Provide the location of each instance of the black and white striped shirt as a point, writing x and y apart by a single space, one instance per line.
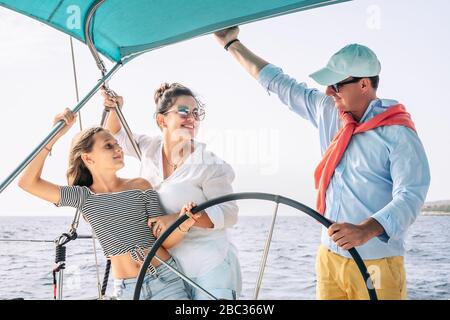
119 219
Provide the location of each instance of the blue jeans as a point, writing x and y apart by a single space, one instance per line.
223 282
163 285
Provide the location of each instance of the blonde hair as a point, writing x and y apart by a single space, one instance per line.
77 173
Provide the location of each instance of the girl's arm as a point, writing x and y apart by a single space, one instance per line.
178 235
30 180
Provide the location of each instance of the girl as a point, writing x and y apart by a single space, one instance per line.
117 209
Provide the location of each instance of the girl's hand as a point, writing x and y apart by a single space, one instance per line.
186 225
160 224
68 117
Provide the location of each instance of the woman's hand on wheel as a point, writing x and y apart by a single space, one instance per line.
193 218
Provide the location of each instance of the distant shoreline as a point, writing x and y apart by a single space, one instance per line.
435 213
436 208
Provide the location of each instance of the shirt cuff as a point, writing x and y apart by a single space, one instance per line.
267 74
383 219
215 214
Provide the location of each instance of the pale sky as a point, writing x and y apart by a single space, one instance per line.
271 149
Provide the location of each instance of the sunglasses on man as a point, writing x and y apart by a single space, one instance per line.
336 87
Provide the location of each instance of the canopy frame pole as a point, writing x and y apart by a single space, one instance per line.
88 37
102 68
75 80
263 263
57 128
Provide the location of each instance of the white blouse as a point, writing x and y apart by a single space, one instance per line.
201 177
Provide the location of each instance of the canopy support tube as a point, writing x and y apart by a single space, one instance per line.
102 68
125 125
87 35
263 263
56 129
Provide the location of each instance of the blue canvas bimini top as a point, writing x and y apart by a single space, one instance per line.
124 29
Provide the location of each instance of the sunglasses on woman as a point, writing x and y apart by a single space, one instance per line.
184 112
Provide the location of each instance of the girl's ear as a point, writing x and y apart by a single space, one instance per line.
87 159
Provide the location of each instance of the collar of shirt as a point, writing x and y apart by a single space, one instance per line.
157 160
375 107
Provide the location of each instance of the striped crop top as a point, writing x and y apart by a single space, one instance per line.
119 219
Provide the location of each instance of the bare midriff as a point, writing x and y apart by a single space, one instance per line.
125 267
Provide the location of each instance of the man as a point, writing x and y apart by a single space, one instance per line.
374 175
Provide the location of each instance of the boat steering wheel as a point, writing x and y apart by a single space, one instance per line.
257 196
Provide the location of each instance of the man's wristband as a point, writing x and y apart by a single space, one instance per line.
230 43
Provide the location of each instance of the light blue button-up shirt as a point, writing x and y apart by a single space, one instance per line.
383 174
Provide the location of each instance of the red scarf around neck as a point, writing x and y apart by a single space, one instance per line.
395 115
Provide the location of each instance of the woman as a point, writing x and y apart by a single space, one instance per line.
180 168
118 210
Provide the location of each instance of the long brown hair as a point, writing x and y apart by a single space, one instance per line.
78 174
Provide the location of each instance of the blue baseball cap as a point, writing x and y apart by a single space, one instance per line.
354 60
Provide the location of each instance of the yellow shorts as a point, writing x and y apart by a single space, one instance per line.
338 278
